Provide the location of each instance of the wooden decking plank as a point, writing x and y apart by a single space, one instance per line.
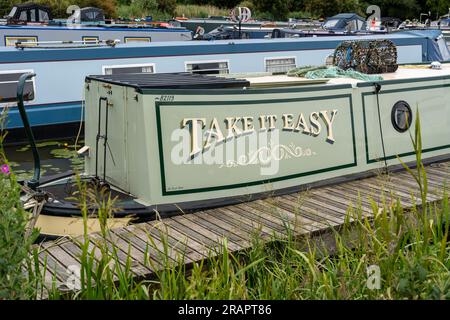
303 221
317 203
406 187
273 213
380 196
118 255
211 224
443 173
53 266
227 226
240 222
142 246
190 248
343 198
379 193
162 241
207 242
258 216
342 206
213 234
61 255
144 258
405 199
253 220
320 218
261 217
314 209
369 192
435 179
357 199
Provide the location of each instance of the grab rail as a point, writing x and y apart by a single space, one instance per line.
33 183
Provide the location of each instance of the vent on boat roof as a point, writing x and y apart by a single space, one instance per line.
171 81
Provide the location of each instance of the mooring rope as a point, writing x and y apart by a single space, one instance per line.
377 90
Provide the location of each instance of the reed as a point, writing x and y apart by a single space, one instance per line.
199 11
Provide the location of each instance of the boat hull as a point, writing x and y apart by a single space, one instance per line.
178 146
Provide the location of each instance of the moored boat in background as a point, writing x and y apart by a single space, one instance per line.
55 97
33 23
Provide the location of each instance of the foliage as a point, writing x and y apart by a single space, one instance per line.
15 248
275 9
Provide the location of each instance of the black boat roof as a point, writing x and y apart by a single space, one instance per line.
184 80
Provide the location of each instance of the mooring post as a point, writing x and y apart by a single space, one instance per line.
33 183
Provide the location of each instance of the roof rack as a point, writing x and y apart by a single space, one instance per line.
65 44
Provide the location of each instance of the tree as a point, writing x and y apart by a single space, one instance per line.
403 9
438 7
167 6
278 9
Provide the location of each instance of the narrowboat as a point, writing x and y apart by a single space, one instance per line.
213 22
338 25
170 143
33 23
55 99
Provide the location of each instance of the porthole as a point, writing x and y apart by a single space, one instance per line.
401 116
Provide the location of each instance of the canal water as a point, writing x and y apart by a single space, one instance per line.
56 157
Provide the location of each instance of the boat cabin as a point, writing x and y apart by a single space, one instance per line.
345 22
91 14
29 12
196 141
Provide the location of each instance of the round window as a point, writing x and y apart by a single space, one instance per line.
401 116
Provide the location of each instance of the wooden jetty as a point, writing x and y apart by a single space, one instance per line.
196 236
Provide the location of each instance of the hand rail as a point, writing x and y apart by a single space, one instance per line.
34 182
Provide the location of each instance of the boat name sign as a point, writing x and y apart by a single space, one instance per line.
238 126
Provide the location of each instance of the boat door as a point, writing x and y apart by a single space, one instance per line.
390 111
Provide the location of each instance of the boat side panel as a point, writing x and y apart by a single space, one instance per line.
260 161
430 98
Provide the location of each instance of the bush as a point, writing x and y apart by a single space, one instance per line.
278 9
167 6
14 246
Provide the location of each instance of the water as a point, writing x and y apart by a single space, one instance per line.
56 157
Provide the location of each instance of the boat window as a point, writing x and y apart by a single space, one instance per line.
33 16
90 39
144 68
360 24
11 41
8 87
43 16
23 16
351 25
137 39
219 67
331 23
12 12
280 65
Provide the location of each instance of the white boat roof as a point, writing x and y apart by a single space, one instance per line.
403 72
175 44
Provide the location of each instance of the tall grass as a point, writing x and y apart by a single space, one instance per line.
410 248
182 10
15 246
197 11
